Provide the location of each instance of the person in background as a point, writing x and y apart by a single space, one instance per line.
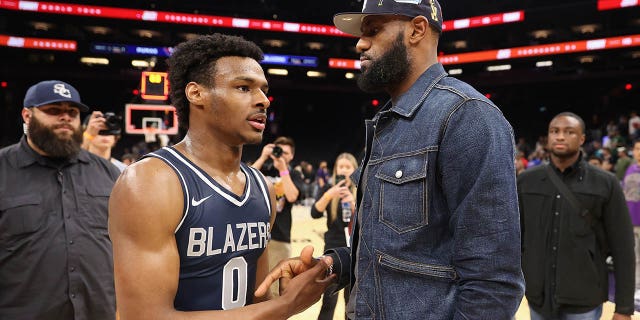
623 162
338 201
55 252
595 161
190 223
322 175
436 232
275 162
568 234
100 144
631 189
129 158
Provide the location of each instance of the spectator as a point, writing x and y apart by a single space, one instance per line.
338 200
573 215
129 158
523 146
99 142
631 188
275 161
595 161
622 163
56 254
322 175
634 125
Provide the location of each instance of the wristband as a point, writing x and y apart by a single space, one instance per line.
284 173
88 136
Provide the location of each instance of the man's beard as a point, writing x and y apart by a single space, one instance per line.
391 68
564 154
47 140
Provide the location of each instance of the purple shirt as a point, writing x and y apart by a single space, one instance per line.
631 188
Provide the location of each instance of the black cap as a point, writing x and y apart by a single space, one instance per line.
51 91
349 22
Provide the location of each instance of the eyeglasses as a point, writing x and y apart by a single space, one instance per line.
54 111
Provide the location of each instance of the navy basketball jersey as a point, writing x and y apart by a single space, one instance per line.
220 238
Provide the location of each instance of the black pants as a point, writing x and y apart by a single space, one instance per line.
329 302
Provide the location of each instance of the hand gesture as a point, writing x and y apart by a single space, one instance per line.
337 190
288 269
267 150
95 124
279 163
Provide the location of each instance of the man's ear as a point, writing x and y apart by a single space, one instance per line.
26 115
193 92
420 29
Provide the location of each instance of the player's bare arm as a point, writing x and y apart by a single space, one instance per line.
144 210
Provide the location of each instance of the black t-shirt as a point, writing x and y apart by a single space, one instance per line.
281 229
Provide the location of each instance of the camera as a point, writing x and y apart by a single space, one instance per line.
339 177
112 121
277 151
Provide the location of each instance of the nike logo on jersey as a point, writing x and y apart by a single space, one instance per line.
195 203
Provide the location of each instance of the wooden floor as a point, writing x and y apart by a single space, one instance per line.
306 230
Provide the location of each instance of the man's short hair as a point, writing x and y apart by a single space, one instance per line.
287 141
195 60
572 115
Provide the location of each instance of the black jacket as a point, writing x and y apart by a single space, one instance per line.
562 259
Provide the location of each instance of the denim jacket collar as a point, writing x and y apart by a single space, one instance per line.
410 101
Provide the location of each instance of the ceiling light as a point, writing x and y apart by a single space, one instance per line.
140 63
455 71
315 45
500 67
460 44
278 72
349 75
587 59
586 28
275 43
316 74
42 26
98 30
541 64
541 34
94 60
189 36
147 33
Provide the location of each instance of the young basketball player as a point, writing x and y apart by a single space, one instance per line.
190 223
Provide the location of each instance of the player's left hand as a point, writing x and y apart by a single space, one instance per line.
288 269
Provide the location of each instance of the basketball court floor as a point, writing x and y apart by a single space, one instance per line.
308 231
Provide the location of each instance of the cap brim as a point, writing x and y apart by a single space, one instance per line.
81 106
349 22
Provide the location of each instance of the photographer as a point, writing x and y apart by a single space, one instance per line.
274 162
338 200
102 132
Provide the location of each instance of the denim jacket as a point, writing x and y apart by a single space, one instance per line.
437 234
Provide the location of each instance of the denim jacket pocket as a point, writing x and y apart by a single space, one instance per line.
415 268
399 281
403 192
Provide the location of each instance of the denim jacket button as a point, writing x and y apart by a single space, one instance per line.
399 174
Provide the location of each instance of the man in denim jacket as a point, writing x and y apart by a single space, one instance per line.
437 234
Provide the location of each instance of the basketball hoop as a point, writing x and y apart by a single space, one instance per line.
150 134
